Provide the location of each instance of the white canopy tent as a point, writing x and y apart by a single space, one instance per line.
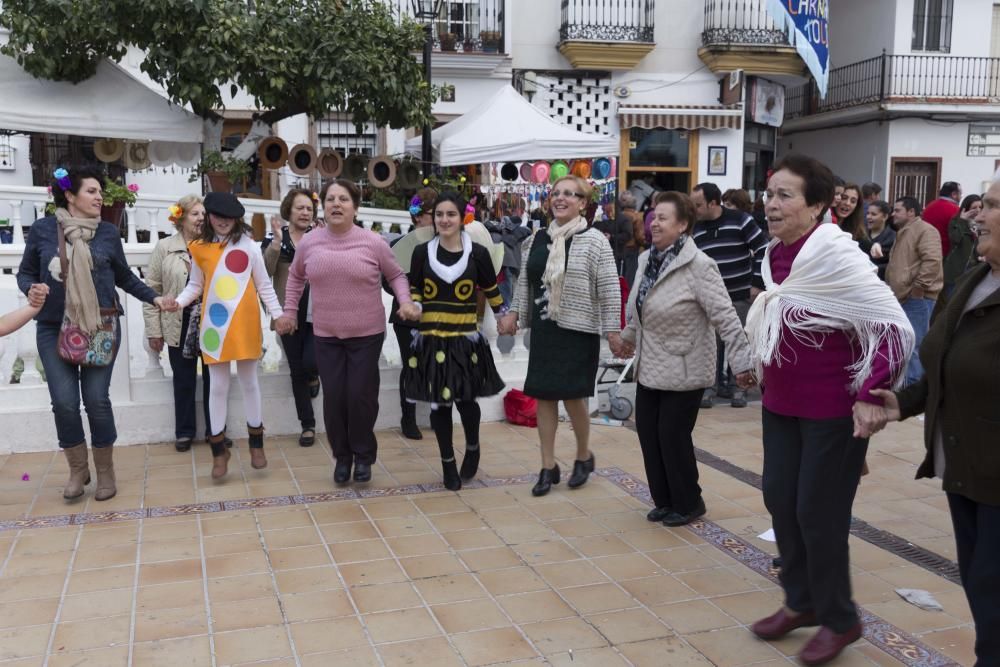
111 104
508 128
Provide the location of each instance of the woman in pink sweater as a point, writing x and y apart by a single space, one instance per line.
344 265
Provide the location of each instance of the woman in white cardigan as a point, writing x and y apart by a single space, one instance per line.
568 294
678 299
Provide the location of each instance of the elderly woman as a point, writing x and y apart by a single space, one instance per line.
823 335
344 265
167 273
568 296
961 352
679 300
299 209
81 260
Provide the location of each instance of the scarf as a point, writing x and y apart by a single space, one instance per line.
555 265
831 286
82 307
657 262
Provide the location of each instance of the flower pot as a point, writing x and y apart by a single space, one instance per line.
114 213
448 41
219 182
491 46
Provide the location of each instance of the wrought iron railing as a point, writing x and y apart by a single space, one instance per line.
465 26
614 20
901 78
746 22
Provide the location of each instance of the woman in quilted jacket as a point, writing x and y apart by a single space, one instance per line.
671 315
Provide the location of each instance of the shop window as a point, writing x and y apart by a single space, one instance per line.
659 148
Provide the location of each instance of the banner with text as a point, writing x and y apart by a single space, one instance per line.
807 22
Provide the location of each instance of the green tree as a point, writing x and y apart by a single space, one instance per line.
291 56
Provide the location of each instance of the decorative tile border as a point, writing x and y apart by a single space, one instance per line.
880 633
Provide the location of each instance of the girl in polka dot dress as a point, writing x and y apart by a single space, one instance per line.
449 359
228 273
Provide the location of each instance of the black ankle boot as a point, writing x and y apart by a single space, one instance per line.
452 481
581 471
546 478
408 422
470 463
342 471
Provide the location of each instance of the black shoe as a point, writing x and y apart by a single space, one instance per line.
708 399
581 471
675 519
307 440
228 443
470 463
658 514
314 388
410 429
342 472
739 399
362 472
724 392
776 563
452 481
546 478
183 444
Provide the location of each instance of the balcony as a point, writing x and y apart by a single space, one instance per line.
465 26
903 82
740 34
606 34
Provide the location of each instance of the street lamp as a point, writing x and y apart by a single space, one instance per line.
426 12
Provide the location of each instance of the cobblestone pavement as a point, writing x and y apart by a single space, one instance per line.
277 567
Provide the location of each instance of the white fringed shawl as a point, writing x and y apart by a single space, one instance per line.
831 286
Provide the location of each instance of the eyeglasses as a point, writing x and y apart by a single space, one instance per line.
566 193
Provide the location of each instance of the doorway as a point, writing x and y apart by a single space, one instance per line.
917 177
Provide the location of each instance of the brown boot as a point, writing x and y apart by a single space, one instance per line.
257 458
220 455
105 467
79 471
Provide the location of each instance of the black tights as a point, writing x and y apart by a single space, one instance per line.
443 428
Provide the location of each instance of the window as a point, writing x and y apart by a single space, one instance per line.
342 136
461 18
932 25
658 148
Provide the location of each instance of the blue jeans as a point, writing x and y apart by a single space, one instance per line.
918 311
67 382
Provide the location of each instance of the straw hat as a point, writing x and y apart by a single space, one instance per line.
355 167
330 163
525 171
408 175
540 172
559 169
302 159
137 156
581 168
161 153
109 150
602 168
508 171
382 171
273 153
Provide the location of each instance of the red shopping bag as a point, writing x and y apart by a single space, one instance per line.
520 408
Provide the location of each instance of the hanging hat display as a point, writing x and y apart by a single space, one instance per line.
508 171
187 153
602 168
137 156
109 150
408 175
273 153
382 171
581 168
540 172
525 171
161 153
355 167
302 159
330 163
559 169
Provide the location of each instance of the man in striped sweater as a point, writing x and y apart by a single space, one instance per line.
737 244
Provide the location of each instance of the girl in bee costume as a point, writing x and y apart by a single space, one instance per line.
449 361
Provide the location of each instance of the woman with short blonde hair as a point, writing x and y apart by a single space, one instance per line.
568 295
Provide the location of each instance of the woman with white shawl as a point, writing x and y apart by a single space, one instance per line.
824 334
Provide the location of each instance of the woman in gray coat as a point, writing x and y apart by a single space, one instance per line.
679 299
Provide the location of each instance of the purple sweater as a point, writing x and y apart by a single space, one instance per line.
814 383
344 272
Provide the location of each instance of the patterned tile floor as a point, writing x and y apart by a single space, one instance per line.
276 567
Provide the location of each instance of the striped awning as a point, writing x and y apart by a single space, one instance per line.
686 117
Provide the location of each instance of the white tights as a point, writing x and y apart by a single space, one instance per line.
246 372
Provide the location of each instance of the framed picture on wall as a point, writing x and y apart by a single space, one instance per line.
717 160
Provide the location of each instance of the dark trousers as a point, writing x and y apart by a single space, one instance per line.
404 335
300 351
812 468
185 382
977 535
348 369
723 372
664 421
68 383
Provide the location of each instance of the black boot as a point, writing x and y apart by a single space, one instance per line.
581 471
342 471
470 463
546 478
452 481
408 422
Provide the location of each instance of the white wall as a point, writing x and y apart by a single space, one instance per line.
860 29
912 137
856 154
21 173
970 28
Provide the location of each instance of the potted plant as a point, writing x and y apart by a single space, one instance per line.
116 197
491 40
448 40
223 172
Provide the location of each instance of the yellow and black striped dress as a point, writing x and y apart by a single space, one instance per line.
448 359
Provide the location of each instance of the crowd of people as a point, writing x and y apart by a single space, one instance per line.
847 311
